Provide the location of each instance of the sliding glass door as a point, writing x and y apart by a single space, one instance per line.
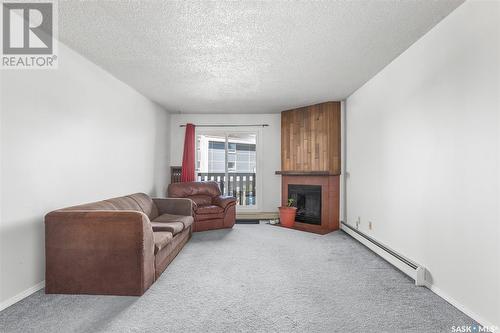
229 158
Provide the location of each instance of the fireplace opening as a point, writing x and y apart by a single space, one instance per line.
308 202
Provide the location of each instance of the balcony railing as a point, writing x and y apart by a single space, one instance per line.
239 185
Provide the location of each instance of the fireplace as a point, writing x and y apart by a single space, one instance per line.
318 193
310 165
308 202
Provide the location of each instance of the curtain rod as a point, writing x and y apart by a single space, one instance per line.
253 125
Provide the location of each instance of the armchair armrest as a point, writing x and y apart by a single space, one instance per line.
224 201
174 206
98 252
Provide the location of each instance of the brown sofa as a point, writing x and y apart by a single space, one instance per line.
118 246
211 210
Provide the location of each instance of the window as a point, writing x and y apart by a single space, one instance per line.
231 147
230 159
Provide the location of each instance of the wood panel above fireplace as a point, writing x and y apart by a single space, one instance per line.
310 139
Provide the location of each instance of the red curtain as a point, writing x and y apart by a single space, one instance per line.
188 161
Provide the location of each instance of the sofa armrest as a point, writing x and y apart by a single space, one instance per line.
174 206
224 201
98 252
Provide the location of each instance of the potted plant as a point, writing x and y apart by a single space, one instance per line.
287 213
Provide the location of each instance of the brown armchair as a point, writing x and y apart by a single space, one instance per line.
211 210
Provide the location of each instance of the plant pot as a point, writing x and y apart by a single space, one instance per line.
287 216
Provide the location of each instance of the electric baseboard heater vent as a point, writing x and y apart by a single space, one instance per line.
407 266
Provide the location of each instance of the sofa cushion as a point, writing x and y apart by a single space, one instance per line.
161 239
138 202
204 217
99 205
147 205
185 220
173 227
201 200
209 209
124 203
189 189
224 201
208 225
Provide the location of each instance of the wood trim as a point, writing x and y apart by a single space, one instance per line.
315 229
305 173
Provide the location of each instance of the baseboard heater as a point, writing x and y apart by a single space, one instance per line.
407 266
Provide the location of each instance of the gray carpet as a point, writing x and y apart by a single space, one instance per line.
254 278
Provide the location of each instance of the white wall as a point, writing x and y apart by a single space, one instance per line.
271 148
423 157
69 136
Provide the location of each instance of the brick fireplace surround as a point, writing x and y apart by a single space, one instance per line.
330 187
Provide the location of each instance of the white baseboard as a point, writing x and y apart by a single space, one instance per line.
257 215
460 307
5 304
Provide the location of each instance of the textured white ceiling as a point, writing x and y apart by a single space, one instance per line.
245 57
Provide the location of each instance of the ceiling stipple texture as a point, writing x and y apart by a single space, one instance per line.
245 57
